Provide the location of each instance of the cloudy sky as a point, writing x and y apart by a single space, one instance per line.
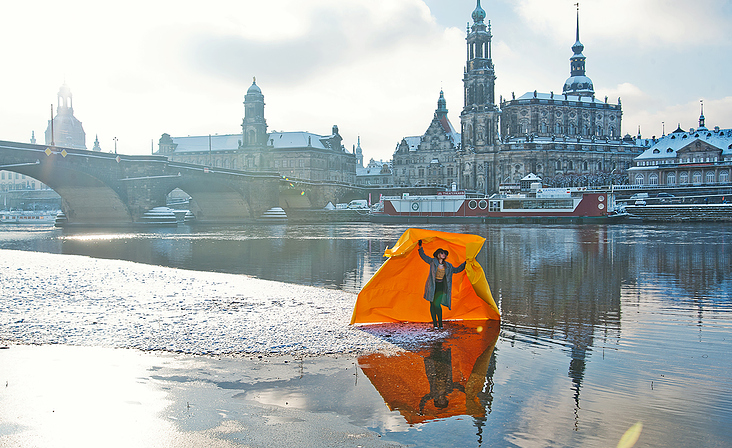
375 68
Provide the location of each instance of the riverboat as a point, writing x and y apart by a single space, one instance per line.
539 205
161 216
27 217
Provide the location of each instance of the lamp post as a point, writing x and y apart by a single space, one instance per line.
115 144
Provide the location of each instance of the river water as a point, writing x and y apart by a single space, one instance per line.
603 326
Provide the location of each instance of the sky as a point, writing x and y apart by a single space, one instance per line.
138 69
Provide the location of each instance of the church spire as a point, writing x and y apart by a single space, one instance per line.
441 105
701 116
578 83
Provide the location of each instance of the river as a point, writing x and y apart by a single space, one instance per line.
602 326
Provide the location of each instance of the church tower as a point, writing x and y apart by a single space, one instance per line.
479 117
67 130
578 83
254 126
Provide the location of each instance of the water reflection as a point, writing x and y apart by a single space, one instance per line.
448 376
592 316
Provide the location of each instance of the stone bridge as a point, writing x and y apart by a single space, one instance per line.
103 189
99 188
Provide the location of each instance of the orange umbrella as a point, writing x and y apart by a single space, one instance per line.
440 381
395 292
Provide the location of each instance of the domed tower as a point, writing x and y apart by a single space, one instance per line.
254 126
578 83
67 130
441 106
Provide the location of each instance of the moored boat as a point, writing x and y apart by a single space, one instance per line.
160 216
539 205
27 217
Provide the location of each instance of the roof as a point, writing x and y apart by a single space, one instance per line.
230 142
413 142
449 130
197 143
667 146
286 140
558 97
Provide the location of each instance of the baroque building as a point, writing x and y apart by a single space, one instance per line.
565 139
65 130
429 159
568 138
298 155
700 157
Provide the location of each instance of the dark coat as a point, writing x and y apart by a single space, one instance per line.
429 286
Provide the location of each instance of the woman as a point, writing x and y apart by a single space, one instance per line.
438 288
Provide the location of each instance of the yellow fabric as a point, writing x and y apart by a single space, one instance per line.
394 293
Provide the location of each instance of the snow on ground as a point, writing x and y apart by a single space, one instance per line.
68 299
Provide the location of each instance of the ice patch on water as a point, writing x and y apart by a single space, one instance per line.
67 299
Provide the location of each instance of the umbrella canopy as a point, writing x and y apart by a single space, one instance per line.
395 293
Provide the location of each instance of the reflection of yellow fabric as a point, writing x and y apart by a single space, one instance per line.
394 293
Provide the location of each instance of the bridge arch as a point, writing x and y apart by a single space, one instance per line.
83 196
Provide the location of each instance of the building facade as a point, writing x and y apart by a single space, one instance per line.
566 139
299 155
376 173
698 157
432 158
570 138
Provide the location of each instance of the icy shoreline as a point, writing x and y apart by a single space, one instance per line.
75 300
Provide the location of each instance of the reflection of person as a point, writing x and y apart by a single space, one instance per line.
438 366
438 288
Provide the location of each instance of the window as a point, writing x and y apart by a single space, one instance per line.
710 177
671 179
421 172
639 179
697 177
684 178
723 177
653 179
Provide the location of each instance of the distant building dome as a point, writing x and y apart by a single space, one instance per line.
254 88
579 85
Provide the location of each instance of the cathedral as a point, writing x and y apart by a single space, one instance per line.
297 155
568 138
